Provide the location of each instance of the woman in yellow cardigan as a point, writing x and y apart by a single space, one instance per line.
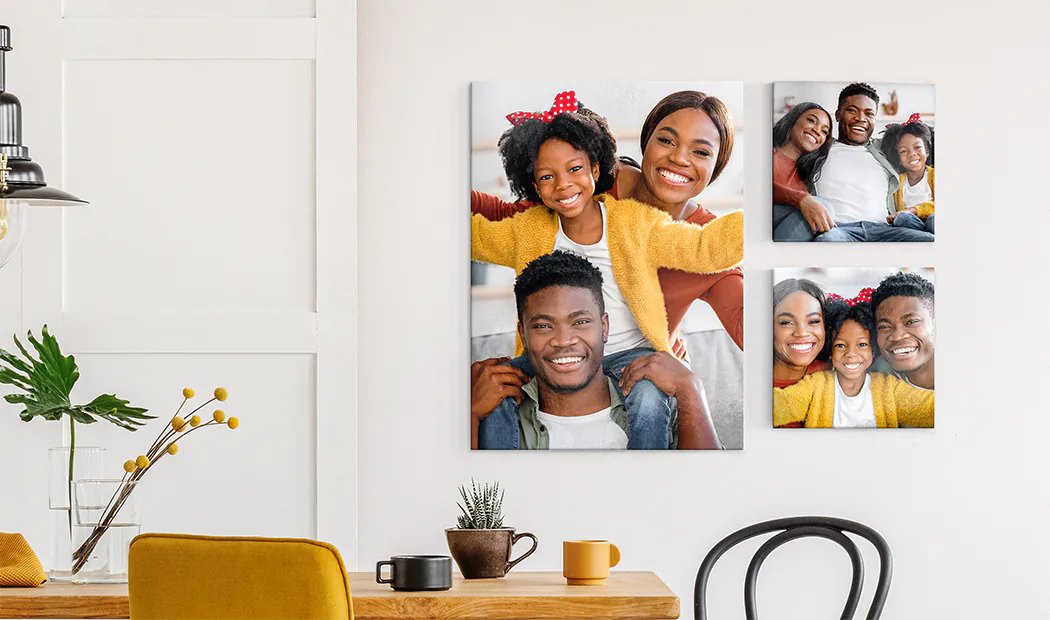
910 144
560 160
849 396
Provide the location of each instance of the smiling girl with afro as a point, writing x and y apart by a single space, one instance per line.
909 146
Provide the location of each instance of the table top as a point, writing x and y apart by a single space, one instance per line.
520 595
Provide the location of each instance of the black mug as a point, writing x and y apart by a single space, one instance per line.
417 572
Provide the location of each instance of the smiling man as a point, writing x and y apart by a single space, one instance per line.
904 326
571 403
856 180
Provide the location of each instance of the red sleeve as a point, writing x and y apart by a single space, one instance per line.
494 209
724 292
788 188
726 298
784 195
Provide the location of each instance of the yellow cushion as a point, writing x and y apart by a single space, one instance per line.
19 566
183 577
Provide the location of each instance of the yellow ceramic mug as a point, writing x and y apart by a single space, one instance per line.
587 562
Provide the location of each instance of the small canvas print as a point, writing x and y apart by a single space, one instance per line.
853 161
853 347
606 290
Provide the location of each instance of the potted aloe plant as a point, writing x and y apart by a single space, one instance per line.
480 544
43 386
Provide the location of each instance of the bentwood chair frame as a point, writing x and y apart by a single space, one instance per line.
830 528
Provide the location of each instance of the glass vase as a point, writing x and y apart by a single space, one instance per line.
105 519
87 463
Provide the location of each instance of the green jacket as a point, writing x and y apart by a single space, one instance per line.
534 435
874 147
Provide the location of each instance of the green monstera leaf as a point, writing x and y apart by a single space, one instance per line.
47 381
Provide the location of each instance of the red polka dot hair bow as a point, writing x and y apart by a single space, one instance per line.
914 118
564 102
863 296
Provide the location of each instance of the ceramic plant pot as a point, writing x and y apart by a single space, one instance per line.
482 554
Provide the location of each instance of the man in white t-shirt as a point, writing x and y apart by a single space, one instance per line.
571 403
856 183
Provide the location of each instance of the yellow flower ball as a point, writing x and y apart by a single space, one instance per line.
187 392
195 421
129 466
142 461
219 416
178 423
221 394
233 422
173 449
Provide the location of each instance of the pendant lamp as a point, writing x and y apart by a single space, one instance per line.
21 180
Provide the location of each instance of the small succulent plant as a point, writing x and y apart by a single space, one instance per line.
482 508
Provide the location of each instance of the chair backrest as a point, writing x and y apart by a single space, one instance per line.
800 527
183 577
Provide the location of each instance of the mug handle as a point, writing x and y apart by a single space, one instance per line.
379 571
516 538
614 555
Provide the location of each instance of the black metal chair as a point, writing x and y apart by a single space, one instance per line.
800 527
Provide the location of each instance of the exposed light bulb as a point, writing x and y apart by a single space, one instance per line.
12 228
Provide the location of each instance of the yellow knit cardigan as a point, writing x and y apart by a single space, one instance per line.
641 240
923 210
897 403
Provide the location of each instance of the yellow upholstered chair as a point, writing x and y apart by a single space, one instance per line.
183 577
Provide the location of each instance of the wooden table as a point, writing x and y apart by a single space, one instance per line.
518 596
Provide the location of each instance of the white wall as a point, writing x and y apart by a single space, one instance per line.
964 507
216 143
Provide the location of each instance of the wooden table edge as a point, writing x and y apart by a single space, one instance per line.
39 603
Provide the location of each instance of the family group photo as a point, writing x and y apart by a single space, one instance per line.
606 287
853 161
853 347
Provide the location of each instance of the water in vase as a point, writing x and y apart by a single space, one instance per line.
61 549
108 561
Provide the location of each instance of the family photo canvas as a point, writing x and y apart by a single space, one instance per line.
606 288
853 347
853 161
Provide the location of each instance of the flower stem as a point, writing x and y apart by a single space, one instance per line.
83 552
157 451
69 482
190 414
170 432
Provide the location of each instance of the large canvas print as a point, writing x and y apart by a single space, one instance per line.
853 161
606 288
853 347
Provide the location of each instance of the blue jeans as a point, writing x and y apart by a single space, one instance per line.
907 219
789 225
872 232
648 410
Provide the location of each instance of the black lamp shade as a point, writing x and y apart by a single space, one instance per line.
21 178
